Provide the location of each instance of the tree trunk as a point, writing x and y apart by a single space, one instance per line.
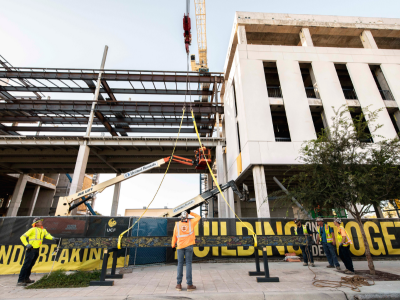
366 245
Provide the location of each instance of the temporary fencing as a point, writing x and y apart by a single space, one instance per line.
383 236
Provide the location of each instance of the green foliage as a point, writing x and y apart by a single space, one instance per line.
341 169
59 279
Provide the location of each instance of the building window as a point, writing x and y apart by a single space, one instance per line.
364 132
272 80
280 124
381 82
345 81
317 114
238 137
234 97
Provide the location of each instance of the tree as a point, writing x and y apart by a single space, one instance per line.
344 169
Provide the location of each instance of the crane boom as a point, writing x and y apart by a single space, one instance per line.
200 9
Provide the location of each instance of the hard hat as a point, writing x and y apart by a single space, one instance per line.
319 219
296 221
337 220
184 215
35 220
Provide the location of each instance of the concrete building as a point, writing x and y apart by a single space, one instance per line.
284 74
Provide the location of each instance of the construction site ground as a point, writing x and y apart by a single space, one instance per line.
216 281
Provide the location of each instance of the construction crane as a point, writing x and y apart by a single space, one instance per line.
202 65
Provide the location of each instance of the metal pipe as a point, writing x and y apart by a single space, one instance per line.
96 94
293 199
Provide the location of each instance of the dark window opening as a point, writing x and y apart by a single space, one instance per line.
318 121
234 98
310 84
238 137
394 120
387 42
365 134
345 81
337 41
381 82
272 80
281 127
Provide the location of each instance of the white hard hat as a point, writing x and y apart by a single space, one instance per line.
184 215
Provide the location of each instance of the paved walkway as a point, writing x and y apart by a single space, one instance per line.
213 281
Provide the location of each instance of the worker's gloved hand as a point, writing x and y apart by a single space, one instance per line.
188 211
57 240
29 247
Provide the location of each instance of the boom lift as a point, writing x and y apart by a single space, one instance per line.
66 204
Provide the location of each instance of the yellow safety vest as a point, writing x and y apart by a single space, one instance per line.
304 230
340 238
328 234
35 236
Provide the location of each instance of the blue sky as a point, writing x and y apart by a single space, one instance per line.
141 35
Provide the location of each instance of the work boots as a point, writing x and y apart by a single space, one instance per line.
191 288
21 284
29 281
178 287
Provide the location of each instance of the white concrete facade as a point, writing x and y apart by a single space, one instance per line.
249 126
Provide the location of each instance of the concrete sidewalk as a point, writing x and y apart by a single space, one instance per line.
213 281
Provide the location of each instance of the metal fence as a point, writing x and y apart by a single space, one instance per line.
312 93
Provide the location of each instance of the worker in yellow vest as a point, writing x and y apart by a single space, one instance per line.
185 239
35 235
300 229
344 242
326 237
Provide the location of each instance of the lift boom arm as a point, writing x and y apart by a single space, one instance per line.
65 204
198 200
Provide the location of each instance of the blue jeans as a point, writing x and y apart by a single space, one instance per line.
330 252
188 253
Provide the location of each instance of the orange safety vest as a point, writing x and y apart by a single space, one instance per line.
184 232
339 237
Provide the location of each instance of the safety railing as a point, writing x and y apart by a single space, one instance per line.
386 95
283 139
350 94
312 93
274 92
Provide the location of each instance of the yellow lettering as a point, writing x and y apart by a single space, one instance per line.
381 247
353 249
75 255
268 231
5 255
259 232
389 237
290 249
196 250
64 256
52 249
224 250
281 249
214 232
239 231
14 254
95 254
44 249
85 255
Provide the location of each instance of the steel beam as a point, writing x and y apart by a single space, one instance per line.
7 130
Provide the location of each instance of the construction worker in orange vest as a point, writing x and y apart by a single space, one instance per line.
326 237
308 258
344 242
184 236
35 235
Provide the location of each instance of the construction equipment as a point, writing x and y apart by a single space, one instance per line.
66 204
202 65
200 199
186 27
201 160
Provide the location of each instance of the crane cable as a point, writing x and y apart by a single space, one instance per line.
216 182
169 162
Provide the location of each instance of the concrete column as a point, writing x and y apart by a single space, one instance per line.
238 205
329 88
117 190
33 200
381 79
79 171
17 195
305 38
369 96
45 198
297 109
222 207
392 77
260 188
368 40
241 32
